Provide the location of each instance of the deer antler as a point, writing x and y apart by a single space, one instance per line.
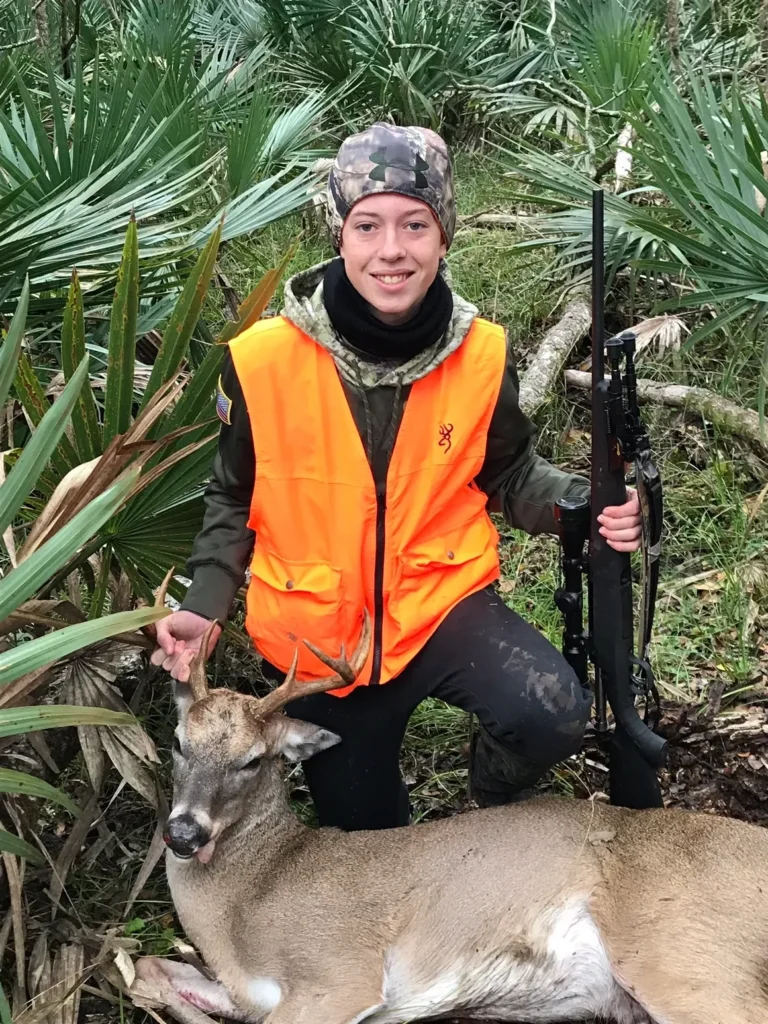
198 679
150 630
345 671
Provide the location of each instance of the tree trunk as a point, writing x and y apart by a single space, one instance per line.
546 365
722 413
40 14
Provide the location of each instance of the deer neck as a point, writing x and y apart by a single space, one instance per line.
268 824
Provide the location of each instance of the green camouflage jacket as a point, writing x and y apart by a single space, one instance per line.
519 483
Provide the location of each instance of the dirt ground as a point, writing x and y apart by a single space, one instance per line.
717 764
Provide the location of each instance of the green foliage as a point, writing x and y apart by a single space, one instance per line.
149 135
26 578
416 63
699 169
149 433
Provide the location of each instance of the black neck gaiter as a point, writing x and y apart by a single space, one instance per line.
360 328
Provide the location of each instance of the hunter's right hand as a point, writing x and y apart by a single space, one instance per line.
178 641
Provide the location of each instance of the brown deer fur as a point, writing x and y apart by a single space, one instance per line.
547 910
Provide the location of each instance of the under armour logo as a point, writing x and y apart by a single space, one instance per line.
400 163
446 429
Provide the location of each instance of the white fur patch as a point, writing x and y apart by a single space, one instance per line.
556 970
265 993
365 1014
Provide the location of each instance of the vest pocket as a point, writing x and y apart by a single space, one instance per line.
450 548
290 601
433 574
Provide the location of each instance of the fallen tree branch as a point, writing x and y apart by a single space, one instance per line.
721 412
544 368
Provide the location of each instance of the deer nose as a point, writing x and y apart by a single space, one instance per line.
184 835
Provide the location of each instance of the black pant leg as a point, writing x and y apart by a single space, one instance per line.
357 784
532 709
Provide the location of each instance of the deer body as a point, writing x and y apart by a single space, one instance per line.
544 911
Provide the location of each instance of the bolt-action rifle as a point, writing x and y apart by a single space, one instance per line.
619 440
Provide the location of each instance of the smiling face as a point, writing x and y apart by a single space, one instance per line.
391 246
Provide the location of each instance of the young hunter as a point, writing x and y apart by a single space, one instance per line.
366 434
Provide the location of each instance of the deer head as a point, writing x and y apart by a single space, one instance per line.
223 739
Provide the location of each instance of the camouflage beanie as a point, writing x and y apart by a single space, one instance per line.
385 158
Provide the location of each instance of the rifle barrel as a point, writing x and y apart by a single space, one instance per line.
598 289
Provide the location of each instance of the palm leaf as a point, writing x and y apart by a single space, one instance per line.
11 347
24 474
36 570
54 646
9 843
183 319
14 721
27 785
122 340
85 424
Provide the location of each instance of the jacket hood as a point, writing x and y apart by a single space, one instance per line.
303 306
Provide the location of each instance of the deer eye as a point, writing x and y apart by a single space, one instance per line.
250 765
176 745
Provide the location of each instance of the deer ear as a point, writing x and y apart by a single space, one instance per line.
182 694
295 739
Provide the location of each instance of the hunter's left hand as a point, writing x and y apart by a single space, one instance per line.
622 525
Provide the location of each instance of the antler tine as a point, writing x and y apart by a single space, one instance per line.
288 690
150 629
198 678
347 670
344 671
162 590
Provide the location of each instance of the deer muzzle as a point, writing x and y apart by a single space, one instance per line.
185 835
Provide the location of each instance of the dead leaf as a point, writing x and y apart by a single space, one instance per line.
40 746
16 693
666 331
155 851
711 585
70 850
93 754
68 976
88 679
124 964
574 436
39 969
15 875
753 504
129 766
8 539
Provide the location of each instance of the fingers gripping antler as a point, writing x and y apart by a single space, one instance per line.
345 672
198 678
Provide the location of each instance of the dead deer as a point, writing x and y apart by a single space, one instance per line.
548 910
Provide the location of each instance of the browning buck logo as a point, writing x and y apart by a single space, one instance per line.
446 429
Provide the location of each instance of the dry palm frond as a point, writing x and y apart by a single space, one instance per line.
88 680
664 332
54 986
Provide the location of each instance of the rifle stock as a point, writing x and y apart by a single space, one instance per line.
635 750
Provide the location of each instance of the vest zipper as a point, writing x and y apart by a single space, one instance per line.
378 581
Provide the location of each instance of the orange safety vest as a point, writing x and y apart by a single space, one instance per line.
327 545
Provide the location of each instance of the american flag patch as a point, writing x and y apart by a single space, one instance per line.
223 404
